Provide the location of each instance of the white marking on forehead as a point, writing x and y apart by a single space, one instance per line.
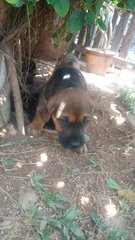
67 76
60 109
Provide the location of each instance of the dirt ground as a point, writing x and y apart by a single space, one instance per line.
81 177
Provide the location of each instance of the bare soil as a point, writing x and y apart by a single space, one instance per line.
81 177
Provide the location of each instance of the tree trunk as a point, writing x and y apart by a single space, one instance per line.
128 39
97 39
119 32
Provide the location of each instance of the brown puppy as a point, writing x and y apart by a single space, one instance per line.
66 101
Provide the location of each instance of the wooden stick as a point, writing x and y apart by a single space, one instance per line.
14 86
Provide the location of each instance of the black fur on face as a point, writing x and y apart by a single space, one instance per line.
73 136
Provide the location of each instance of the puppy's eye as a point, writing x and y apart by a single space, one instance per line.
86 120
64 120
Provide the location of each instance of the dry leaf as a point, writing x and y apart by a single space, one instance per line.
128 194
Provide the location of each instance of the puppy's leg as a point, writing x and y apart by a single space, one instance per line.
42 116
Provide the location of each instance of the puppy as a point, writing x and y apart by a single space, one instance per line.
66 101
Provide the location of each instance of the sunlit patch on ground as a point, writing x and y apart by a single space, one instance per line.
111 209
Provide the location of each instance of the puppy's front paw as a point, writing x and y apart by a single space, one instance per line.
83 149
33 131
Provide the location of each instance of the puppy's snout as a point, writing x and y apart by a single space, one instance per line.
75 144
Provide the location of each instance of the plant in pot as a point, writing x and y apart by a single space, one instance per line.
98 60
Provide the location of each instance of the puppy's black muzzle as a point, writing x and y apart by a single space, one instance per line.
73 141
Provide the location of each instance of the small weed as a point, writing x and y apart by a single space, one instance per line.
87 138
104 231
63 217
94 165
7 162
127 98
72 172
124 207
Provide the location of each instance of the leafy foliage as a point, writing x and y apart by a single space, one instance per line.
127 98
79 13
61 7
104 230
75 22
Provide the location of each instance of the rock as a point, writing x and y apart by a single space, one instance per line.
27 197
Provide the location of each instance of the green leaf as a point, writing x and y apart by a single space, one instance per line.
19 4
61 7
63 198
87 138
76 171
31 4
51 204
75 230
112 184
99 4
13 1
131 4
65 233
101 24
59 206
100 223
75 22
89 2
115 234
90 18
55 223
124 206
46 235
35 182
51 2
71 215
94 165
7 162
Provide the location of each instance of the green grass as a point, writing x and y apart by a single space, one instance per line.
127 99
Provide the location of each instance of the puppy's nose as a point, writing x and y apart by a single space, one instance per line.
75 144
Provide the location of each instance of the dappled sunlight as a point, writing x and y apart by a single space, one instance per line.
84 200
60 184
119 119
19 165
43 159
3 132
101 82
40 163
31 136
95 118
111 209
128 150
113 81
2 100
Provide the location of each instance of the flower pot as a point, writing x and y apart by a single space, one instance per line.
98 61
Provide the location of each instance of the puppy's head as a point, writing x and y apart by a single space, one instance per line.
71 113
